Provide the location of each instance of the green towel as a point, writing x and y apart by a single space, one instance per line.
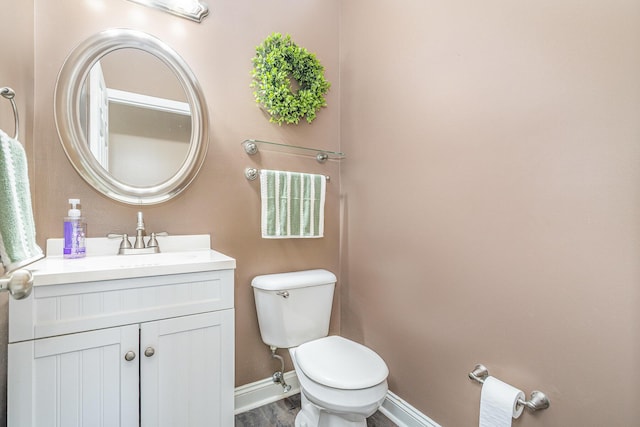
292 204
17 229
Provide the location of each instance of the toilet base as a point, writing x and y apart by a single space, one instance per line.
311 415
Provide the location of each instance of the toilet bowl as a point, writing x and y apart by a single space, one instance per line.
342 382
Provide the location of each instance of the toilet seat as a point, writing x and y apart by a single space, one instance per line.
345 404
341 363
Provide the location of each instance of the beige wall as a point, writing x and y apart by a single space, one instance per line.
492 192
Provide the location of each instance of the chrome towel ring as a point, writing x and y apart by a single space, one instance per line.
9 94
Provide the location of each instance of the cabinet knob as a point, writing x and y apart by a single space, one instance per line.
129 356
149 351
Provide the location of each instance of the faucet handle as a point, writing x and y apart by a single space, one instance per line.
153 243
125 244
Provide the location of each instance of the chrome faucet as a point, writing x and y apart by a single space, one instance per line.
139 246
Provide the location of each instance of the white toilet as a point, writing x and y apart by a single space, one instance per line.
342 382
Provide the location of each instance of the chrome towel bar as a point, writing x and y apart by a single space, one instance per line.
251 147
538 399
252 173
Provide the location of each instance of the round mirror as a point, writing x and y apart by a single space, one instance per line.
131 117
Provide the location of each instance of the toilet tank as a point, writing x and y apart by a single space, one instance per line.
294 307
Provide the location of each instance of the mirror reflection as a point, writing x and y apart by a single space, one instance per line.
135 117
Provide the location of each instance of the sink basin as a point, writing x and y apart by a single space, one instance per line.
179 254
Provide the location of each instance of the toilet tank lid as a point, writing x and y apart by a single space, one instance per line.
294 279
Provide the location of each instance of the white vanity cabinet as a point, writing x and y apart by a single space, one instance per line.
79 379
135 347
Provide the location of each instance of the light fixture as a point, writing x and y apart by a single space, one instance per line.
190 9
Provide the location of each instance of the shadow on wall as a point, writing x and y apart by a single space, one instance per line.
347 317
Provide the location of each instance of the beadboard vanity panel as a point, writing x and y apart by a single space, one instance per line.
67 308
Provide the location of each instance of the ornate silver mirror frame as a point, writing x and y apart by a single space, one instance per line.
67 116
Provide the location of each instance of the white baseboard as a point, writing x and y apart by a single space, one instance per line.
403 414
253 395
256 394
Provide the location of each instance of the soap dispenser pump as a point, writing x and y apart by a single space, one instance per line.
75 231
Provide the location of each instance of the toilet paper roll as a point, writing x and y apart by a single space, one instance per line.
499 403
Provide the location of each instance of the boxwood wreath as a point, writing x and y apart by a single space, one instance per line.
278 60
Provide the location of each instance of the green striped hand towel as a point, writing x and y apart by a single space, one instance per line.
292 204
17 229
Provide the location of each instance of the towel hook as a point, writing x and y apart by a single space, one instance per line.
9 94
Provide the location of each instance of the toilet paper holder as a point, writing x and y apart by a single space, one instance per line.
537 401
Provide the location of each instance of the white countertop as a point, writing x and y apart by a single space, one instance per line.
179 254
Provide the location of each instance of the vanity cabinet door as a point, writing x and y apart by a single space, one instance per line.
187 371
80 379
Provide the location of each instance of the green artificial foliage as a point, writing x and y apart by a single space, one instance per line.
278 60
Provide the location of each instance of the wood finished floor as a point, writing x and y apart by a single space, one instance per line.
283 413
